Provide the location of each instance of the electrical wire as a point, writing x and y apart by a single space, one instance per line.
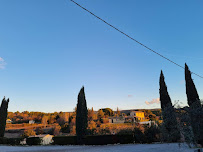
132 38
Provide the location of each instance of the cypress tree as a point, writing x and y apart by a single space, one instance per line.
170 128
81 117
164 96
3 116
195 107
191 91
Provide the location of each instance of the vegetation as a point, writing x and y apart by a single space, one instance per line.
3 116
81 117
170 130
195 107
93 128
28 133
33 141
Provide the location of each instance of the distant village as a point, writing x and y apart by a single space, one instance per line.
46 125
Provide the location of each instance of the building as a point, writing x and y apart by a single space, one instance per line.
137 115
31 121
9 121
116 120
150 123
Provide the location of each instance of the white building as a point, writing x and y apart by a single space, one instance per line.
31 121
116 120
8 121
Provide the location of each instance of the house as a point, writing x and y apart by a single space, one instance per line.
9 121
137 115
46 139
31 121
116 120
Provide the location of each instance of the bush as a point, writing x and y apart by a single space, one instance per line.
94 140
100 140
125 139
152 134
39 131
65 140
91 131
10 141
108 139
28 133
55 130
139 137
3 140
65 128
125 132
33 141
14 141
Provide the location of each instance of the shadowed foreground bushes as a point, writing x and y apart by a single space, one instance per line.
65 140
33 141
94 140
10 141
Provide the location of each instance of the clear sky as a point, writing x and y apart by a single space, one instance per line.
49 49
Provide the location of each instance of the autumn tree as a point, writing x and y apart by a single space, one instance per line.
45 120
28 133
63 118
195 107
90 114
100 114
3 116
108 111
81 117
170 128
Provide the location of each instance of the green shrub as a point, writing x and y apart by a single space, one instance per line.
33 141
65 140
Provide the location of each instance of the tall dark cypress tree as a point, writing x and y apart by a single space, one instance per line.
164 96
81 117
3 116
170 128
195 107
191 91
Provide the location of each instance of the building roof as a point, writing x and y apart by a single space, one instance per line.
138 111
40 136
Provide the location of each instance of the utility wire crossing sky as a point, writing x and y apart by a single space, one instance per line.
133 38
49 49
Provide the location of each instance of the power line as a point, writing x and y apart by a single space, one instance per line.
131 37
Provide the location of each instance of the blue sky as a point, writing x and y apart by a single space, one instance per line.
49 49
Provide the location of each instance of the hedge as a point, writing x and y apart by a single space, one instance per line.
33 141
125 139
10 141
14 141
65 140
94 140
100 140
3 140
